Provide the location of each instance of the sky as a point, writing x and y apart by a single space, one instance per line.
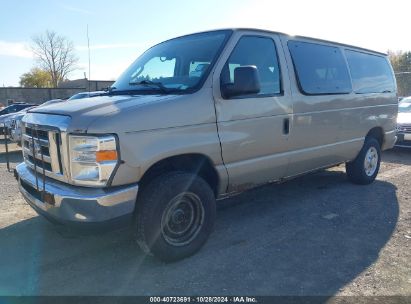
121 30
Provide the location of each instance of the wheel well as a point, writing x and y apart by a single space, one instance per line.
378 134
193 163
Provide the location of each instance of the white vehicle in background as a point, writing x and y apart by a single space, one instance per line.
87 95
404 123
14 121
53 101
8 113
14 124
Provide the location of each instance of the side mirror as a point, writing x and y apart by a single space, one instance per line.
246 81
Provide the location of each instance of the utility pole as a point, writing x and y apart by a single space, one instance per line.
89 64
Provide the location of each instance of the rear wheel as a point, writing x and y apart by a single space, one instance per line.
175 215
364 168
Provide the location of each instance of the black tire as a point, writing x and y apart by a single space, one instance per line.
165 207
357 171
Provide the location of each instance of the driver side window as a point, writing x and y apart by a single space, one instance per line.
256 51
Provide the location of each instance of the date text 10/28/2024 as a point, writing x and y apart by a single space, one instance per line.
205 299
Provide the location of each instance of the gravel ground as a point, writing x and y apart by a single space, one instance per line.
11 146
314 235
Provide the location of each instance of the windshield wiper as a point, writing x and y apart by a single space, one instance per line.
159 85
115 91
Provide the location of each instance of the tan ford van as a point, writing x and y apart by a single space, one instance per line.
203 116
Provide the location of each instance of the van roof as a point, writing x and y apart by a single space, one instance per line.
301 37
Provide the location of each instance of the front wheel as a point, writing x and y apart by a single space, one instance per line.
175 215
364 168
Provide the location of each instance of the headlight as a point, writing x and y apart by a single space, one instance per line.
92 159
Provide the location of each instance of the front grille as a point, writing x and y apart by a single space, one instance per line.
404 128
41 134
44 138
41 149
39 163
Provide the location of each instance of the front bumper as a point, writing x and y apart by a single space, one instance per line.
68 204
403 140
389 140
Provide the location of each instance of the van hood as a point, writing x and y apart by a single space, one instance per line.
125 113
102 104
404 118
84 112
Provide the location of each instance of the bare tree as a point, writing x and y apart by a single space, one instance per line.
55 54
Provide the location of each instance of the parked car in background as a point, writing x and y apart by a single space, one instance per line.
7 113
404 123
14 124
53 101
15 108
87 95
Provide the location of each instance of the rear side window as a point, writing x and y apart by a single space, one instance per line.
370 73
320 69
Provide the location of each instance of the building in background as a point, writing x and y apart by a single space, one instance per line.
90 85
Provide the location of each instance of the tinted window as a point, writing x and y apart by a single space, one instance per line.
20 107
260 52
12 109
320 69
370 73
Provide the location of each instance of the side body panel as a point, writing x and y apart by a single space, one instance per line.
194 131
251 129
330 129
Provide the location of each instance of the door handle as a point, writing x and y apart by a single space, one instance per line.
286 126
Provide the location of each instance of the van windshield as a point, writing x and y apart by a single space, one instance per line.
179 65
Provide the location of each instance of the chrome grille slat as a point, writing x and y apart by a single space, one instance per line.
52 133
403 128
43 142
47 159
43 157
54 152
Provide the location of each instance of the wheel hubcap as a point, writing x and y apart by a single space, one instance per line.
182 219
371 161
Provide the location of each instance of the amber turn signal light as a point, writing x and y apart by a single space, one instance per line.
102 156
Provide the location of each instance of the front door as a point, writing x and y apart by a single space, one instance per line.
253 129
